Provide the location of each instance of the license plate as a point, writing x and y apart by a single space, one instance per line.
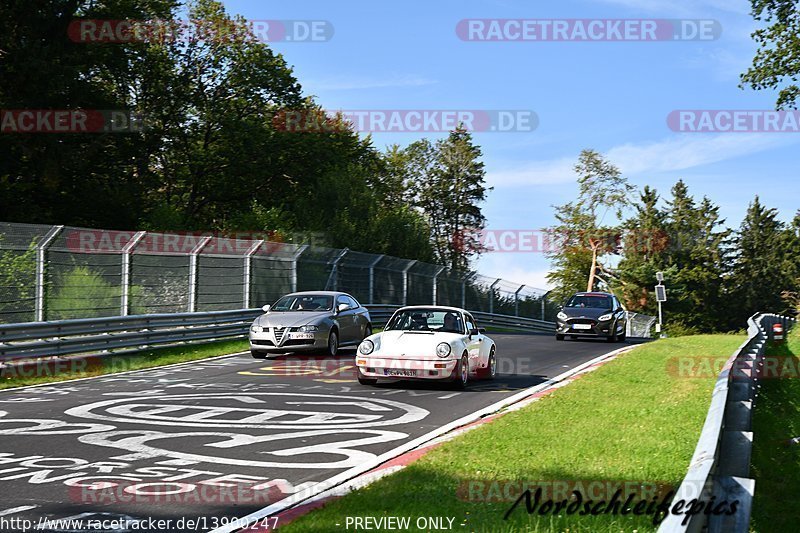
581 326
301 335
393 372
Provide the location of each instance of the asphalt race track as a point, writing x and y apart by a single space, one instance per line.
205 442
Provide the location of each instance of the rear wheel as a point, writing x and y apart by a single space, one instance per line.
491 367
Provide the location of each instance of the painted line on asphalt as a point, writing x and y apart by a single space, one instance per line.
348 475
68 381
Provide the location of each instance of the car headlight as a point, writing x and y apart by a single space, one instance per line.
255 328
309 328
443 349
562 315
606 316
366 347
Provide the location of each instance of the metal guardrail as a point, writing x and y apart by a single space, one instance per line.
720 466
31 340
380 314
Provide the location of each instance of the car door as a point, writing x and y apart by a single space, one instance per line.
474 343
346 320
360 320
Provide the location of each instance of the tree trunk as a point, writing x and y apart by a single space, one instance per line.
590 285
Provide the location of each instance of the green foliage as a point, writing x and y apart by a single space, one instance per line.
82 293
17 284
446 182
214 154
583 232
775 63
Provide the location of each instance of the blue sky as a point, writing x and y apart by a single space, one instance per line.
612 97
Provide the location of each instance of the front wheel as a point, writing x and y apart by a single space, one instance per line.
461 373
333 344
258 355
367 331
559 337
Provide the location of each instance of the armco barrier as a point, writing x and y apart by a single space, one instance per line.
31 340
720 466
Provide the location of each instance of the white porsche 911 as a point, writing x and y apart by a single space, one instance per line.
427 343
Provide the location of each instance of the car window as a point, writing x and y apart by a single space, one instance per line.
351 302
592 301
305 302
470 324
427 320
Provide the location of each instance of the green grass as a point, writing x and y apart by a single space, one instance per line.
66 370
630 420
775 465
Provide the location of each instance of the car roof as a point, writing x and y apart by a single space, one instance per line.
593 294
321 293
442 307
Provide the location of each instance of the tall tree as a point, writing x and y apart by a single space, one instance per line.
759 268
645 241
777 60
448 183
588 228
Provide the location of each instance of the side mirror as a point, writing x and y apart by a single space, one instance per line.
266 308
481 330
619 310
476 331
342 307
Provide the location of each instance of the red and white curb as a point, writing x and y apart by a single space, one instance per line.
387 463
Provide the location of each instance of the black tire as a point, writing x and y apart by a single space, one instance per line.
333 343
612 337
362 379
622 337
367 331
460 377
559 337
491 369
258 355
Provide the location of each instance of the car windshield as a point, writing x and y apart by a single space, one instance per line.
304 302
593 301
427 320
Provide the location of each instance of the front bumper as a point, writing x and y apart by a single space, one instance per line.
586 327
271 340
403 368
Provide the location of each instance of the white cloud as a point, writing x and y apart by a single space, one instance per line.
691 150
534 173
679 152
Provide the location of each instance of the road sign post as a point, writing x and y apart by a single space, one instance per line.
661 296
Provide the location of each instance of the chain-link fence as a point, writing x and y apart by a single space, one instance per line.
58 272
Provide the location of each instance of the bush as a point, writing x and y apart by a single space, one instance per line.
83 293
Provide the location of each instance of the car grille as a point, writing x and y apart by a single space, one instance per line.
279 333
581 321
299 342
262 342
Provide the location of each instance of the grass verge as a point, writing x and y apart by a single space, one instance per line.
67 369
775 464
633 419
